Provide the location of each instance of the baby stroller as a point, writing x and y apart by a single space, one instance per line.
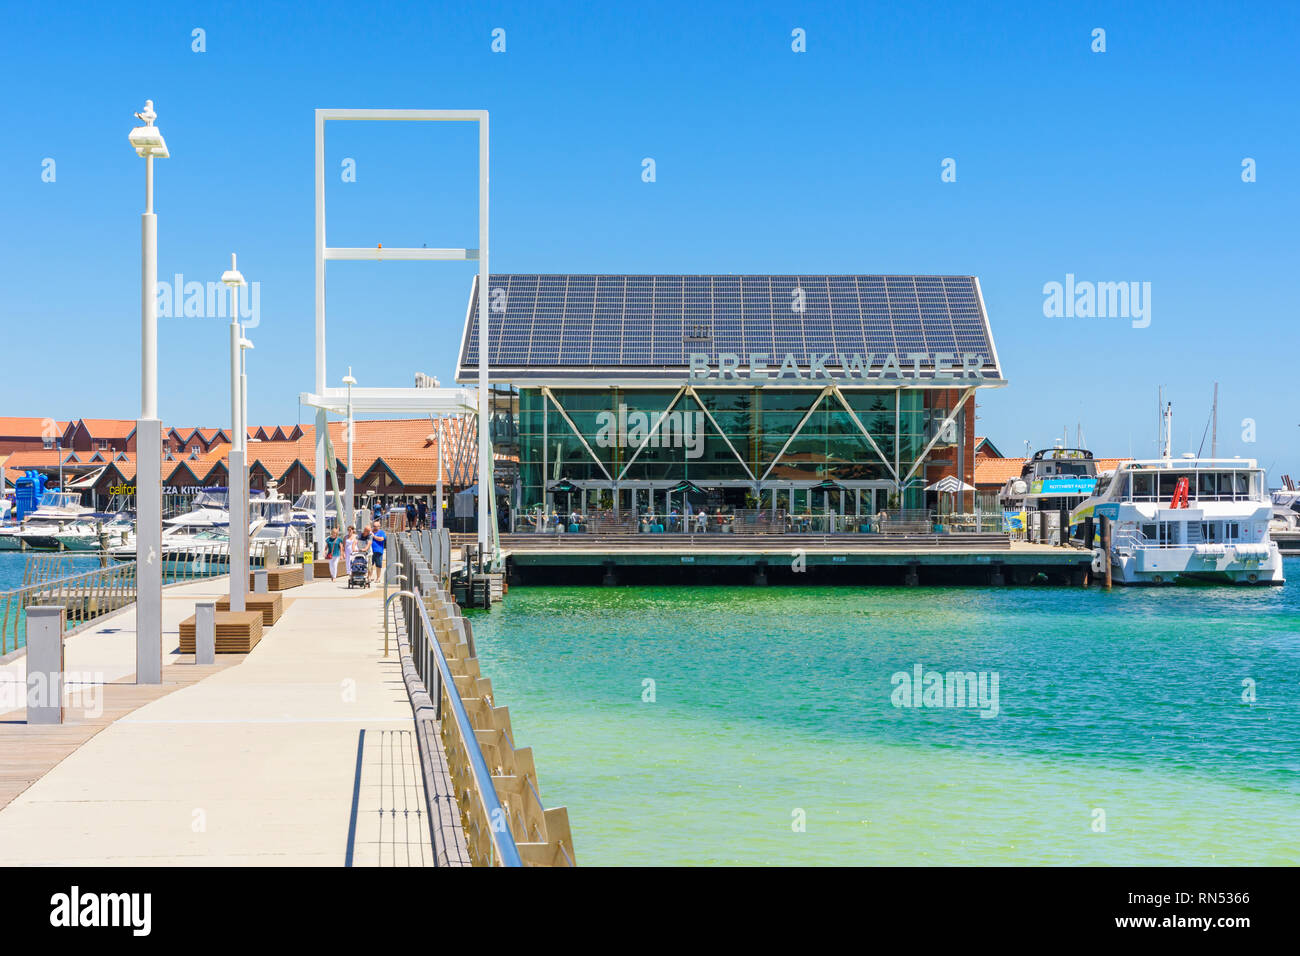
358 573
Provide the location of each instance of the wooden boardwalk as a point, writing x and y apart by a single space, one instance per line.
28 753
299 753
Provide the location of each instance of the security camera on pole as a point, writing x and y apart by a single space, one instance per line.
148 143
238 466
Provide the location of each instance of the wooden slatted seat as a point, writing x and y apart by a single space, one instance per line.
238 632
270 606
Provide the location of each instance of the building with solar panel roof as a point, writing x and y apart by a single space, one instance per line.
766 393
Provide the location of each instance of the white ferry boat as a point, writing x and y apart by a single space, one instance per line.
1185 519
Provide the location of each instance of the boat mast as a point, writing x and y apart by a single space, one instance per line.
1168 429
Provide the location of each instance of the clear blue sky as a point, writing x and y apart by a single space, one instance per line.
1115 166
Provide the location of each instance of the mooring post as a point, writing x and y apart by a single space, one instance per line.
45 664
1064 519
610 579
996 576
912 575
1105 548
205 632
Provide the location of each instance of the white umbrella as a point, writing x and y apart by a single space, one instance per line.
950 485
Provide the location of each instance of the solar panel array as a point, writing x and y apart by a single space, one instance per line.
568 322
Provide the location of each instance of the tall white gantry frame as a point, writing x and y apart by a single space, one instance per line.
432 401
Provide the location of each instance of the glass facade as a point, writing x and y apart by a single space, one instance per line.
733 442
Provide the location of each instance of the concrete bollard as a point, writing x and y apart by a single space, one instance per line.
308 571
45 665
205 632
259 581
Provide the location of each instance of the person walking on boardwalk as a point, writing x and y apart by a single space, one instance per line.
702 521
333 548
422 514
349 548
378 541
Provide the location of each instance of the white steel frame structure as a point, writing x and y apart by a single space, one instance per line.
432 401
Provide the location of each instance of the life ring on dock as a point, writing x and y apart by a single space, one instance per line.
1098 561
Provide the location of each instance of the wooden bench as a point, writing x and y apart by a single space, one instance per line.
238 632
270 606
282 578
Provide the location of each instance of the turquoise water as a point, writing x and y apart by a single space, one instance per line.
12 564
773 706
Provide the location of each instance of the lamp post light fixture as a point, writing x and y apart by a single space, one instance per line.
233 279
147 141
349 489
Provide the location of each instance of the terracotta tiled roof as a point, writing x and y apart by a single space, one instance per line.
107 427
30 427
405 446
994 472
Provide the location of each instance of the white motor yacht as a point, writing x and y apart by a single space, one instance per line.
1185 519
57 510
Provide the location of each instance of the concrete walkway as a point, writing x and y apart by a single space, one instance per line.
301 754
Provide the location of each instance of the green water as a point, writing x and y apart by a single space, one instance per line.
775 704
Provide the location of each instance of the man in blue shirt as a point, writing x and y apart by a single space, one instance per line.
378 540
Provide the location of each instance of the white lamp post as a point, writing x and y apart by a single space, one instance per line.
147 140
238 466
348 490
244 346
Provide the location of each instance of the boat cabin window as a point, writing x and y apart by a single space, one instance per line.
1202 485
1073 468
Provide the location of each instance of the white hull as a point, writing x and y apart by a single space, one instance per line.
1160 566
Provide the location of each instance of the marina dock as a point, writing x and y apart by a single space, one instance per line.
326 742
302 753
909 559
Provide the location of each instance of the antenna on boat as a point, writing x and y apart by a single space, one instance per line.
1214 428
1168 429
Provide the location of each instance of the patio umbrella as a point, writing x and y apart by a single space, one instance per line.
685 485
473 489
950 485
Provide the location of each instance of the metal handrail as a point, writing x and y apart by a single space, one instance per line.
487 793
503 842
